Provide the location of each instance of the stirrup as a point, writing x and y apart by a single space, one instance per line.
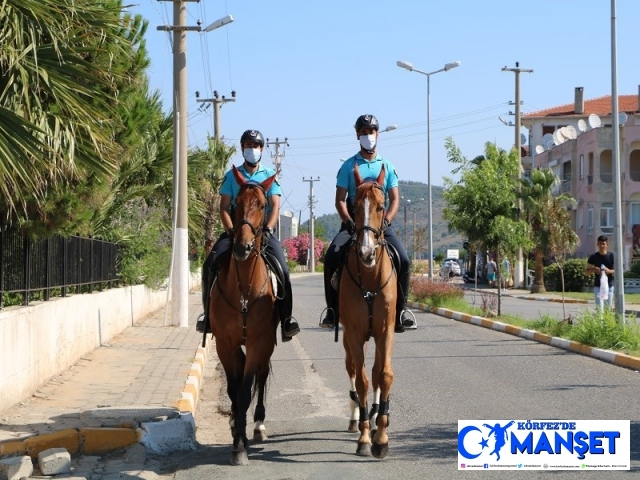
201 325
408 323
326 322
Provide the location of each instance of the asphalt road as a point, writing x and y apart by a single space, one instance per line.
444 371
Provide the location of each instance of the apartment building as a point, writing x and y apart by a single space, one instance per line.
575 141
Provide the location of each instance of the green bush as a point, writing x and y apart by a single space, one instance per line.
574 277
603 330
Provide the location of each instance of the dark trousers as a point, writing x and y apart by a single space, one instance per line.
332 261
212 265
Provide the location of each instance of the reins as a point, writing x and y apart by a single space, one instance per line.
369 296
244 302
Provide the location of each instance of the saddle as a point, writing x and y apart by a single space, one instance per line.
274 266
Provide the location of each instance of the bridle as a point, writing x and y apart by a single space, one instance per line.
377 232
257 231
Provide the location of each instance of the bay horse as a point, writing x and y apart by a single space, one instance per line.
367 308
241 295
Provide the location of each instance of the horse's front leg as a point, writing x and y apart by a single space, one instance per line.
353 396
384 349
240 442
356 347
259 430
375 379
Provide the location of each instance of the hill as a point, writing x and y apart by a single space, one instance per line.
413 191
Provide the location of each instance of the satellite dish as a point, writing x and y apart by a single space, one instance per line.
570 132
622 118
547 140
594 121
523 139
539 149
557 137
582 125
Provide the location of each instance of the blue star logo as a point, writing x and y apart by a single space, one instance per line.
484 443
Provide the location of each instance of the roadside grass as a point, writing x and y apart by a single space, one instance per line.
589 328
628 297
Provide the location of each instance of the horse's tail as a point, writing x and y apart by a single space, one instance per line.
261 377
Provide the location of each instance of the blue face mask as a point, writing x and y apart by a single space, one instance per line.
252 155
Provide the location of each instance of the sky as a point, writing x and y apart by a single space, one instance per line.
306 70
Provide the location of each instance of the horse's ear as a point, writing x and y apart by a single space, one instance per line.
356 174
380 179
238 176
266 185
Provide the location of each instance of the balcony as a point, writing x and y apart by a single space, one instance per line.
565 185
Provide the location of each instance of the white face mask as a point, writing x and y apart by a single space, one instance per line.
252 155
368 142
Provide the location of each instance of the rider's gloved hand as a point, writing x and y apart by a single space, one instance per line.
351 227
267 233
385 223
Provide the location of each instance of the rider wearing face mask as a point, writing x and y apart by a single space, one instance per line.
252 144
369 164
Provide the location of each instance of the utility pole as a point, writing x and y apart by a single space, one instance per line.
312 256
278 164
217 103
518 279
180 255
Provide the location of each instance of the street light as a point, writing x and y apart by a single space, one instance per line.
405 203
446 68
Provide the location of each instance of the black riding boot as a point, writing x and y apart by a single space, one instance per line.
203 321
403 319
331 298
288 325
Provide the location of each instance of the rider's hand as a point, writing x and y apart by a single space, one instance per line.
267 233
230 232
351 227
385 223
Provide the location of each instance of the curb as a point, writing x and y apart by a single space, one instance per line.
615 358
172 432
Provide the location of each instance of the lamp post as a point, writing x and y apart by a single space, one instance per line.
446 68
406 202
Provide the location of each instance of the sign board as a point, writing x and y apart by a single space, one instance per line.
453 253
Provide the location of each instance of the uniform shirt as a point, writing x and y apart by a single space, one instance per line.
598 259
230 186
368 169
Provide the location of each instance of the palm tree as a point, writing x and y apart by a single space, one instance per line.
56 96
539 200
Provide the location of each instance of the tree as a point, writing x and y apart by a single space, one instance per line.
539 203
562 240
297 248
66 66
483 203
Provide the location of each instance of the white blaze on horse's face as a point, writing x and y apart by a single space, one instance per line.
368 244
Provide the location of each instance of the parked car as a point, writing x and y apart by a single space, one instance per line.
450 266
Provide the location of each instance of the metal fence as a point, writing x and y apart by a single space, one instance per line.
63 265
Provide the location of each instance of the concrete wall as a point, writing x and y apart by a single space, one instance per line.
42 340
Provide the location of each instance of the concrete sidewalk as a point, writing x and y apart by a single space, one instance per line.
142 387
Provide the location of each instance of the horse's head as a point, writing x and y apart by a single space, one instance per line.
369 216
250 215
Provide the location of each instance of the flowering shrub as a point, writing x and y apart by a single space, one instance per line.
434 293
297 247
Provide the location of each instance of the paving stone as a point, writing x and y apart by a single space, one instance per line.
15 468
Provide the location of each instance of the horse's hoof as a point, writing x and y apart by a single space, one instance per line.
373 433
260 435
363 450
239 458
353 425
379 450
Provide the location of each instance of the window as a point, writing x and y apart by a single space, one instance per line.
606 218
580 217
606 167
634 165
581 167
590 220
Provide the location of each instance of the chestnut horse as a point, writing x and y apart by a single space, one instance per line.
241 295
367 308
